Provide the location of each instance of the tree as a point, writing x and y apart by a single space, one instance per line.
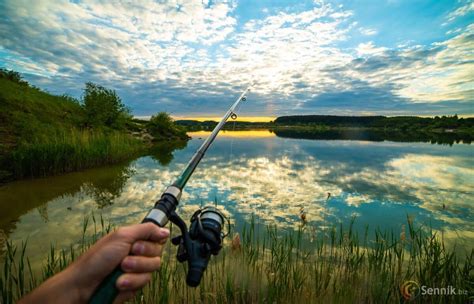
162 125
104 107
12 76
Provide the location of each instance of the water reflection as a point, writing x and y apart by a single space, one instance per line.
378 135
19 197
35 196
272 178
69 194
163 151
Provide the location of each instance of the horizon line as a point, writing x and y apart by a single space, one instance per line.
272 118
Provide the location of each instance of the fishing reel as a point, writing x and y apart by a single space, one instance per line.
204 238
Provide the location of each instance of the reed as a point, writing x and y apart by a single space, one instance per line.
273 266
71 151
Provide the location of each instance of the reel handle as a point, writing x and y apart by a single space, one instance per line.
107 291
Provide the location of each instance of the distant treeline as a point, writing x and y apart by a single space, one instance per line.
324 122
396 122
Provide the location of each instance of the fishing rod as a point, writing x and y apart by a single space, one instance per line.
205 233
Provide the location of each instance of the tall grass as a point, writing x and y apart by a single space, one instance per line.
71 151
272 266
338 267
18 276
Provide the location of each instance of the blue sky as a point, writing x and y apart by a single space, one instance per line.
191 58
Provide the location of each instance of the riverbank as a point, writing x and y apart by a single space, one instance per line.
72 151
42 134
270 266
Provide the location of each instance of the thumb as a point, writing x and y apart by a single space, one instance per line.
145 231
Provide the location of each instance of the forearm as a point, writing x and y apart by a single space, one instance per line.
61 288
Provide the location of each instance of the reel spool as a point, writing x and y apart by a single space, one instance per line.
205 237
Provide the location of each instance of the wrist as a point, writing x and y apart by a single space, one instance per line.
61 288
75 287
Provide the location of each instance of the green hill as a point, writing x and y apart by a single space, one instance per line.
27 112
43 134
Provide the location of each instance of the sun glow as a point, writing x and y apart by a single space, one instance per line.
240 134
240 118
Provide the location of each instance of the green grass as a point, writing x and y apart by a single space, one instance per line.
337 266
27 112
71 151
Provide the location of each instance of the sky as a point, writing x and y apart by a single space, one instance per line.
194 58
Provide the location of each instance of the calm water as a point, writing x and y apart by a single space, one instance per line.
258 173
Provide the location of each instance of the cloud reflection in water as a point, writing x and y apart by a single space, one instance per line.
272 178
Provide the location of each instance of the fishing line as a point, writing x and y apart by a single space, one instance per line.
231 137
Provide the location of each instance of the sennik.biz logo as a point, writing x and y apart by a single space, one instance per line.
410 290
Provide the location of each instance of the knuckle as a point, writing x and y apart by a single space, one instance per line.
121 233
157 263
129 263
139 247
156 248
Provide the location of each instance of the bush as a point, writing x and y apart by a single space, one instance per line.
162 125
12 76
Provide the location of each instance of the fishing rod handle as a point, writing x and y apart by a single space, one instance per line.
107 290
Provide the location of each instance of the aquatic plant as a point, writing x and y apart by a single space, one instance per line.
273 266
71 151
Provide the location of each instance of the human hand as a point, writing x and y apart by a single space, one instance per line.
137 249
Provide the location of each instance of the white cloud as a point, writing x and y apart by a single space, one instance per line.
368 48
460 11
293 57
367 31
143 35
287 48
439 78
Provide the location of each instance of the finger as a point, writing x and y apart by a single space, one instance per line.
162 241
132 281
161 237
146 231
149 249
137 264
124 296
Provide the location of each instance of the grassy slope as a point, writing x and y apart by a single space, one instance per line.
27 112
40 134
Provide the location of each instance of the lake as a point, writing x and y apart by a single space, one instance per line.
261 175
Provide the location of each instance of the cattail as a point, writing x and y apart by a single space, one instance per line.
235 244
302 214
402 233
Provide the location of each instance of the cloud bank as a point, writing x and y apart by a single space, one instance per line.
191 57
